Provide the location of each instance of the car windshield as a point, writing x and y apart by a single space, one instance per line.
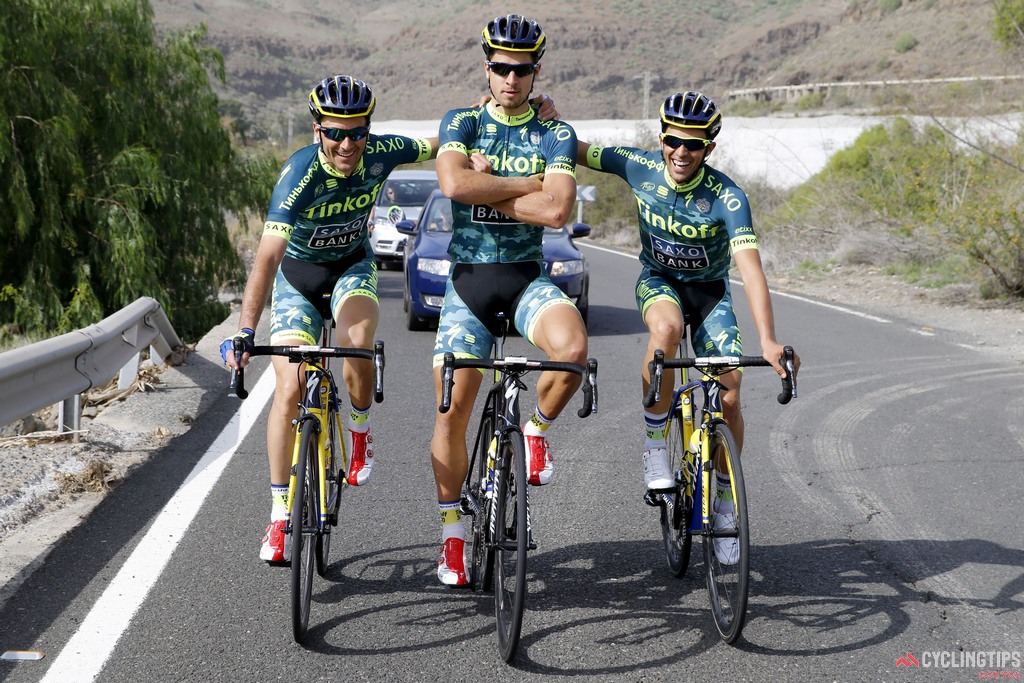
407 192
439 218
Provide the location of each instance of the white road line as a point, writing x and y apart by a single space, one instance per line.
611 251
89 648
796 297
842 309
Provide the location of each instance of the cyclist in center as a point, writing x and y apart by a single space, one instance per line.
508 174
694 222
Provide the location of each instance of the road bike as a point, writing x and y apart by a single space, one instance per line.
495 494
319 461
700 448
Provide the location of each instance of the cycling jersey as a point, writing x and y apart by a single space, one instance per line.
516 146
323 214
687 232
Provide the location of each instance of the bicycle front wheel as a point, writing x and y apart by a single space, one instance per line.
677 507
334 485
726 548
511 543
304 513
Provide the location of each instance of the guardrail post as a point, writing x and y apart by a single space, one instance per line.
69 416
129 371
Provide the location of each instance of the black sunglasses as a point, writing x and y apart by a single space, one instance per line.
691 144
339 134
501 69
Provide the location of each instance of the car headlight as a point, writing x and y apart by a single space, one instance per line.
434 266
566 267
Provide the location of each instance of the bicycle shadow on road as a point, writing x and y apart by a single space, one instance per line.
616 602
593 599
841 589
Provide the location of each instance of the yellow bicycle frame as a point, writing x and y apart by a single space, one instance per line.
315 404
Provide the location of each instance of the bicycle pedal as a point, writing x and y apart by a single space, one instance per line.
653 497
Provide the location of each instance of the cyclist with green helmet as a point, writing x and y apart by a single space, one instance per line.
508 175
694 222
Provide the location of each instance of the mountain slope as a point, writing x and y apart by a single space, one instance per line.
602 55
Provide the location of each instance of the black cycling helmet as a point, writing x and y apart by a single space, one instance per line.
515 33
342 97
691 109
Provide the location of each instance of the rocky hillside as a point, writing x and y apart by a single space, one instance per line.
424 58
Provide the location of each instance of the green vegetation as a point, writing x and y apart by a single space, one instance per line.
890 6
116 170
923 203
750 108
613 213
815 100
1008 26
905 43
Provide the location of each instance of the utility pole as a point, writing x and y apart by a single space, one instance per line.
647 92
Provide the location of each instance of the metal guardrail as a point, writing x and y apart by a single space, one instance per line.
59 370
768 93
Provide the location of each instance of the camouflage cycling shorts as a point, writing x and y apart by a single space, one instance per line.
305 294
707 310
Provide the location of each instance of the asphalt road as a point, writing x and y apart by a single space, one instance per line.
882 524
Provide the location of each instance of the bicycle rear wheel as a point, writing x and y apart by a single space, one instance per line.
305 507
511 541
677 507
333 468
728 568
482 551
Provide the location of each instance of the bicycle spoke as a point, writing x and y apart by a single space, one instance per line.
512 538
333 486
727 566
304 517
677 507
482 552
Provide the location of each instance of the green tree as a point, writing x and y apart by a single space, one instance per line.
115 169
1008 26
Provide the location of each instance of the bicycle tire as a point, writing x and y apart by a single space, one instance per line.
511 543
481 553
333 488
728 582
677 507
304 515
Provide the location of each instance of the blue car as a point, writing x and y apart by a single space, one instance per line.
427 262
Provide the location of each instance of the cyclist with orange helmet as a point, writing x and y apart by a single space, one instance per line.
694 222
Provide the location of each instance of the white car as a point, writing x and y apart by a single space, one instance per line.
401 198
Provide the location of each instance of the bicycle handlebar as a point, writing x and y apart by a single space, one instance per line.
299 354
518 366
716 365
